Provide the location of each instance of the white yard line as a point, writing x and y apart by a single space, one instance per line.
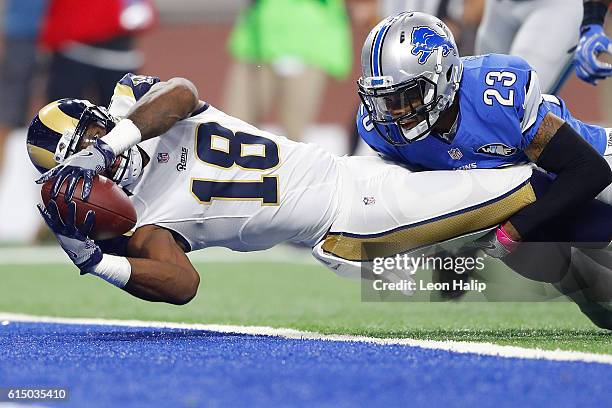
487 349
54 255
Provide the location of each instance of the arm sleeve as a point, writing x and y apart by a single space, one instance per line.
581 174
128 91
595 12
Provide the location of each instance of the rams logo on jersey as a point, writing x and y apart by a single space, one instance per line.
497 149
425 40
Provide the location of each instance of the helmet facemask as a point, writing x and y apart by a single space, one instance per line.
70 141
409 105
127 167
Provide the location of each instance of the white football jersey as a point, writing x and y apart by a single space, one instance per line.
218 181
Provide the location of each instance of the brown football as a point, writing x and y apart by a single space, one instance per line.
115 214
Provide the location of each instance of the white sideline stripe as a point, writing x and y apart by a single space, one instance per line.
486 349
54 255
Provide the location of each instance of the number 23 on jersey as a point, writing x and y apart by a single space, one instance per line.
506 79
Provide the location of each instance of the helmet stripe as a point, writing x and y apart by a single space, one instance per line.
41 157
56 120
123 90
377 47
378 44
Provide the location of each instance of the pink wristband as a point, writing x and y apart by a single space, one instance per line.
504 239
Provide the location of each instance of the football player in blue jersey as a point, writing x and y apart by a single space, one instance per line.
593 42
424 106
517 28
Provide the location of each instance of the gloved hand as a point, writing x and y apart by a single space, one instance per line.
81 249
84 164
496 243
593 42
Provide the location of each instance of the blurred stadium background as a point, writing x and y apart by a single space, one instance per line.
283 287
190 40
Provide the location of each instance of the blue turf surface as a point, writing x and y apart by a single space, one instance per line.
109 366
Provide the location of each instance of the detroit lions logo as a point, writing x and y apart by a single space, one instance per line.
425 41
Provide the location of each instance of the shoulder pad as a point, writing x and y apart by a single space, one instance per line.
135 86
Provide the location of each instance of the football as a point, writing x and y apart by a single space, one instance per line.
115 214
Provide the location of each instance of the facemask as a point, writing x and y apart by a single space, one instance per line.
130 167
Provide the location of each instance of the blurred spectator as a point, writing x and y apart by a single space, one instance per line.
22 20
540 31
461 16
284 49
92 45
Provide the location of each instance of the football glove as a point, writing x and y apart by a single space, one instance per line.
496 243
593 42
82 165
81 249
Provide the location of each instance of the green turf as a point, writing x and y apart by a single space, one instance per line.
303 297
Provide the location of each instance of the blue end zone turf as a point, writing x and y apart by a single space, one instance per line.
109 366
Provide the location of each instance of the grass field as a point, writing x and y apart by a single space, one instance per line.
301 296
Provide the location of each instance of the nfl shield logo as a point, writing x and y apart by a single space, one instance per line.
455 154
163 157
369 200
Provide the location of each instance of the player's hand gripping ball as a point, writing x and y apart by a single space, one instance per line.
114 213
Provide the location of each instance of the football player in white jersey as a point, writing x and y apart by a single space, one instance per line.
199 178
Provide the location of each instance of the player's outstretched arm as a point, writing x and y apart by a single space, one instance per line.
155 113
581 173
160 270
593 42
156 268
165 104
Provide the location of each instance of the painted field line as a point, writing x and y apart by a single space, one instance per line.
54 255
486 349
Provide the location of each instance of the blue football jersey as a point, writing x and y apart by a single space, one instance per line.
500 110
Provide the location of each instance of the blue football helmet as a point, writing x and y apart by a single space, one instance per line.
55 132
411 72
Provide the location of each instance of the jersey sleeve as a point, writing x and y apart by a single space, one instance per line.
531 110
128 90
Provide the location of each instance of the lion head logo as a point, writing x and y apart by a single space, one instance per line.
425 40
